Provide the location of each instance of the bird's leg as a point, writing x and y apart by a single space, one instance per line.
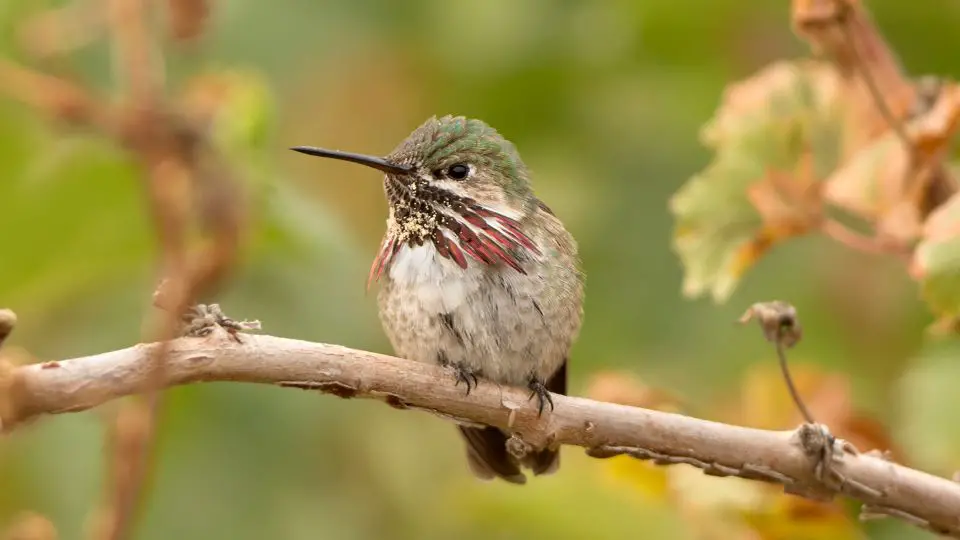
539 389
461 373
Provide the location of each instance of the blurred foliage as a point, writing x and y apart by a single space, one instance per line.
782 119
605 102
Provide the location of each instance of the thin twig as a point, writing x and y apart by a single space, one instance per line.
134 60
791 387
860 65
55 97
780 325
145 129
858 242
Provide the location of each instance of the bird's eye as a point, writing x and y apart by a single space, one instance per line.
458 171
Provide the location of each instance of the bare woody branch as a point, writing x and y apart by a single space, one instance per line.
186 181
791 458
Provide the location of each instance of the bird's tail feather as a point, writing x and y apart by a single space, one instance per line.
487 447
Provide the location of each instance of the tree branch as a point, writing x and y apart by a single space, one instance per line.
791 458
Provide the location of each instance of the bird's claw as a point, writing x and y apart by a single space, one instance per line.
537 388
466 376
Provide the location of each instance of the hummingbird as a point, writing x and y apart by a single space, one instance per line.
476 273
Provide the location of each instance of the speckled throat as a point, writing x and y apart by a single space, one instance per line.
465 229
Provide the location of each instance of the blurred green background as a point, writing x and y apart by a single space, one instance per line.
604 101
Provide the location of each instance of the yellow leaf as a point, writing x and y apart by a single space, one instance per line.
725 508
643 478
786 517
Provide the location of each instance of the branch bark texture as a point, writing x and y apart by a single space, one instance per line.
792 458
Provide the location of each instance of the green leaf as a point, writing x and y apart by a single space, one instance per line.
928 402
774 129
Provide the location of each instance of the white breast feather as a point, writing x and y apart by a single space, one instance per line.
438 282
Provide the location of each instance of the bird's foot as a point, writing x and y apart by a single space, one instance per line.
539 389
462 374
465 375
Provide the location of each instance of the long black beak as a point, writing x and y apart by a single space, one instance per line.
369 161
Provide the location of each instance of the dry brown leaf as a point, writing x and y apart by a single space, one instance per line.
788 202
888 183
843 31
871 182
934 129
895 131
902 223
